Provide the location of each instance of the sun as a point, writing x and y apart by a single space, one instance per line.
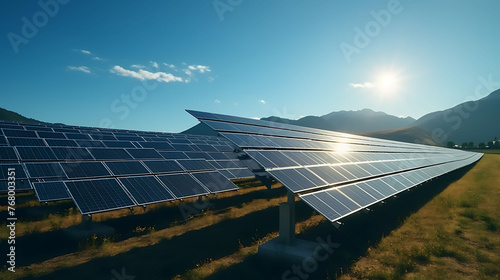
387 83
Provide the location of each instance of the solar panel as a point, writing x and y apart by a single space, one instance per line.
174 155
120 168
36 153
45 170
64 153
61 143
20 184
118 144
144 153
156 145
92 196
26 142
195 164
335 159
109 153
182 185
19 133
54 135
3 140
78 136
89 143
146 189
18 170
78 170
8 153
215 182
51 191
163 166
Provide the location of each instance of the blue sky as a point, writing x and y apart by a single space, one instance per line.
136 65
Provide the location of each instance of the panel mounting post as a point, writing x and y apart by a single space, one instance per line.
287 220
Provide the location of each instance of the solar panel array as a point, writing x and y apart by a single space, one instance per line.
107 169
335 173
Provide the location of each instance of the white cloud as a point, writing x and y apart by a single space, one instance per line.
84 69
187 72
154 64
145 75
94 57
262 101
363 85
217 101
210 79
200 68
169 65
138 66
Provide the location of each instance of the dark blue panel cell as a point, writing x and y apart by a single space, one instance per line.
92 196
61 143
174 155
198 155
102 136
8 153
20 185
328 174
71 153
76 170
240 173
343 199
120 168
163 166
51 191
143 153
109 153
332 202
3 140
371 191
54 135
215 182
182 185
36 153
146 189
118 144
78 136
26 142
5 169
182 147
89 143
157 145
195 164
207 148
292 179
19 133
45 170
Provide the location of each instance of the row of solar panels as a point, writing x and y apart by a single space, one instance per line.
336 203
24 153
225 123
7 125
97 169
98 195
336 178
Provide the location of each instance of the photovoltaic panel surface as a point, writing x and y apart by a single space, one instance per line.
92 196
146 189
50 191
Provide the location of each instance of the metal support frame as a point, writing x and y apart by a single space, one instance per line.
287 220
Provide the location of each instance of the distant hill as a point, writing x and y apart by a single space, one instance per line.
477 121
361 121
7 115
200 129
409 134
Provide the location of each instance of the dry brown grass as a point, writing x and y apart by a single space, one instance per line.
454 236
201 221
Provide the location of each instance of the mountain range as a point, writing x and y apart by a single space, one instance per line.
473 121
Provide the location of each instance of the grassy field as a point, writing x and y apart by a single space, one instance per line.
444 229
